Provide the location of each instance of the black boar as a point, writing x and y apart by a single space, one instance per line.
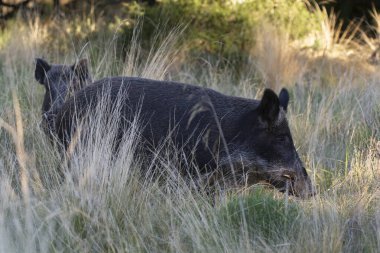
246 138
60 82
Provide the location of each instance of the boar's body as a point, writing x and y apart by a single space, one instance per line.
198 120
232 136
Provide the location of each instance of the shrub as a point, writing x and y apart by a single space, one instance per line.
262 215
223 28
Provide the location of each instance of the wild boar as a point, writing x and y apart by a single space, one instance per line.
244 138
60 82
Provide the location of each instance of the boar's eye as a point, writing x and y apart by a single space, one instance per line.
282 138
271 129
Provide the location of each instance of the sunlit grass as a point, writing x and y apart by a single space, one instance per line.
279 63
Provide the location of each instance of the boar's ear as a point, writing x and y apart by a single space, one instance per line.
41 68
284 98
81 71
269 106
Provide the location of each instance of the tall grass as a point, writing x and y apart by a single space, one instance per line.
278 62
108 204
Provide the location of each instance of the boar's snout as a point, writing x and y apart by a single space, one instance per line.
297 184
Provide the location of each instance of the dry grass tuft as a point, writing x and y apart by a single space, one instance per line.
277 61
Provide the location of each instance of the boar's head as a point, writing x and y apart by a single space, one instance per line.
60 81
267 147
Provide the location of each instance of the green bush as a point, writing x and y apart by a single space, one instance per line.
262 215
220 27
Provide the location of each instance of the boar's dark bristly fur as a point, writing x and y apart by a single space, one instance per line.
221 132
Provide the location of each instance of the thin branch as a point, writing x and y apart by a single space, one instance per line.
15 8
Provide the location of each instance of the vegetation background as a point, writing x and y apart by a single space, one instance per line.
236 47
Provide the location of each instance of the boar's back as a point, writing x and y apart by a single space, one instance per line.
199 116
